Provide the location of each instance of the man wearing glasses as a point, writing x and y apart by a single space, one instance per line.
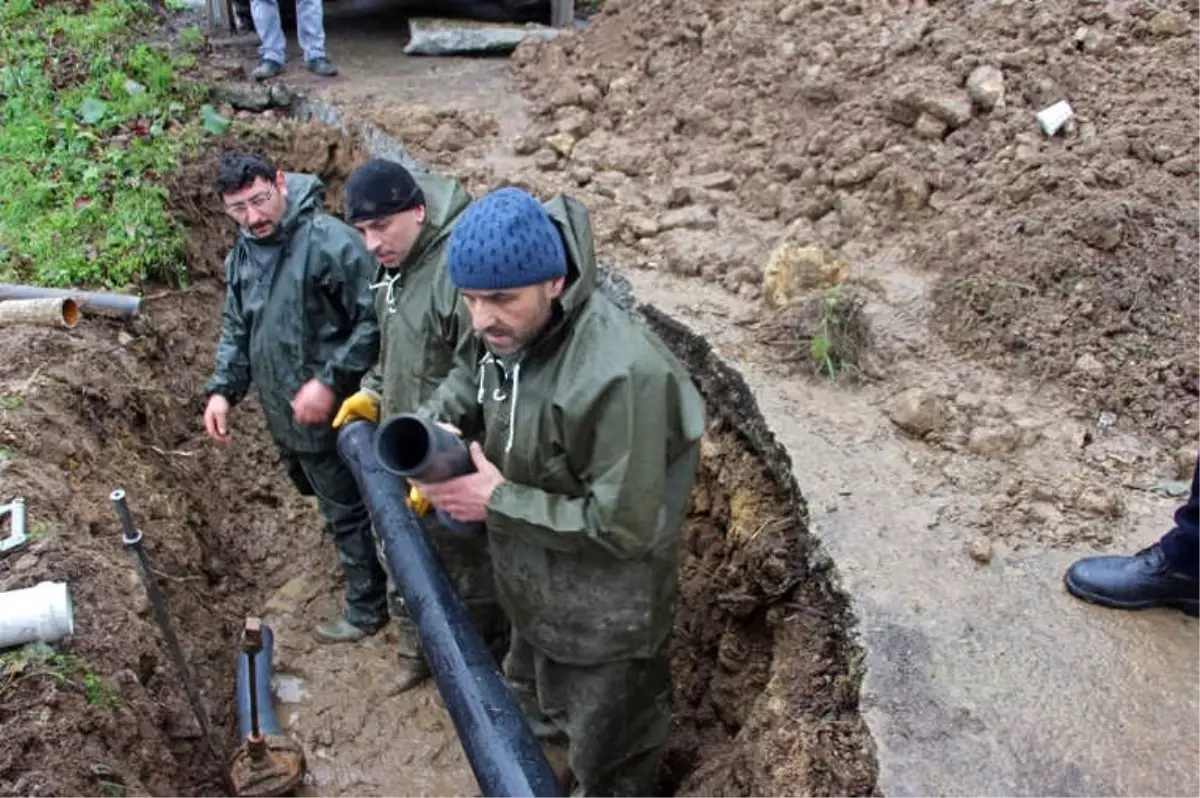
299 323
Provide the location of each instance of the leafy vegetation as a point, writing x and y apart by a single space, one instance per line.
92 118
40 660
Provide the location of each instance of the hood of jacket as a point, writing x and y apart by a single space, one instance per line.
445 199
574 224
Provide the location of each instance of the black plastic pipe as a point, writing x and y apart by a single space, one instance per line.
268 722
504 754
102 302
415 448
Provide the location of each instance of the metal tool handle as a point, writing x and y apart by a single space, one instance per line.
132 538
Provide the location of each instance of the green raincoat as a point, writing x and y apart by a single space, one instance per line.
297 306
596 429
423 326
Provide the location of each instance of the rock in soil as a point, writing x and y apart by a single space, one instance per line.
793 270
980 550
918 412
1185 461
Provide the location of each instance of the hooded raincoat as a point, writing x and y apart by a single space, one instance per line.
298 306
423 329
596 428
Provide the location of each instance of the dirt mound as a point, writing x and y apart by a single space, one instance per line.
913 128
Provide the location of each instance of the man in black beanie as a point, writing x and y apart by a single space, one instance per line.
405 222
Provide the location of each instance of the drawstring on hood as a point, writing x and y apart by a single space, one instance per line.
499 396
390 296
512 412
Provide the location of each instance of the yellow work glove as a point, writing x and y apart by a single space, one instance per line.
361 405
416 502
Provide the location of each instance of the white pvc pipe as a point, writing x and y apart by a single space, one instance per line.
42 612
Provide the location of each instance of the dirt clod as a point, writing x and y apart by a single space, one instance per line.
919 412
792 270
986 88
980 549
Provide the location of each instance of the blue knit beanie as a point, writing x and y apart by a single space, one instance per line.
505 240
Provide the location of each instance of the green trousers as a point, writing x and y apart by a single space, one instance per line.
615 716
326 476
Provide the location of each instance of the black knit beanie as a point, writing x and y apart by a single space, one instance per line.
380 188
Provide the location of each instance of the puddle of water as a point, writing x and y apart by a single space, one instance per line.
289 689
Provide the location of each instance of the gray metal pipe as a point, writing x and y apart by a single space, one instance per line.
415 448
104 303
504 754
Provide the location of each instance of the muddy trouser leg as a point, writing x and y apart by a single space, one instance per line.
469 565
616 717
520 673
1182 544
310 28
273 46
347 520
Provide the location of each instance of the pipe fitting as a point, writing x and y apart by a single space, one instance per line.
43 612
415 448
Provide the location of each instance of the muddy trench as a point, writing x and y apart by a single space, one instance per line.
766 668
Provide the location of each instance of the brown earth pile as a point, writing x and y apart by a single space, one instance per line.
910 128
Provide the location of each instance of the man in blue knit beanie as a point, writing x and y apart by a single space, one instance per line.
590 433
508 242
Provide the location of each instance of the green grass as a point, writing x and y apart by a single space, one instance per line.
92 118
35 660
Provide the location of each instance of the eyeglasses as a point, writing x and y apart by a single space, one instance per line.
238 209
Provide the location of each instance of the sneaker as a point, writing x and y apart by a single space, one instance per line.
323 67
267 69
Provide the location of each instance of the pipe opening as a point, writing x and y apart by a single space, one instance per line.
70 313
403 445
